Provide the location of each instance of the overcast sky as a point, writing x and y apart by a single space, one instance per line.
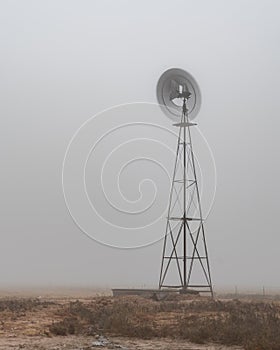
64 61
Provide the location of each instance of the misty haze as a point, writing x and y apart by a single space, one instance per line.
88 158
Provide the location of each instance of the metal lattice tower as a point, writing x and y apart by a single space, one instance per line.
185 255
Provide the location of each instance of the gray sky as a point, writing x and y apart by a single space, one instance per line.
64 61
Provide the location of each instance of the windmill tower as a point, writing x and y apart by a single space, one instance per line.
185 263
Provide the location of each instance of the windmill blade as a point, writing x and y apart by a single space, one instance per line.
174 89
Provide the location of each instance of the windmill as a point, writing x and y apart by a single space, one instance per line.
185 263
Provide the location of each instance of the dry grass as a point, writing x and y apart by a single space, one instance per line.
253 325
22 304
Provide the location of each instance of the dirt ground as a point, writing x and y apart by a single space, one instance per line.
25 324
85 343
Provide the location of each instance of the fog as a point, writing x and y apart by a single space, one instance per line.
64 61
